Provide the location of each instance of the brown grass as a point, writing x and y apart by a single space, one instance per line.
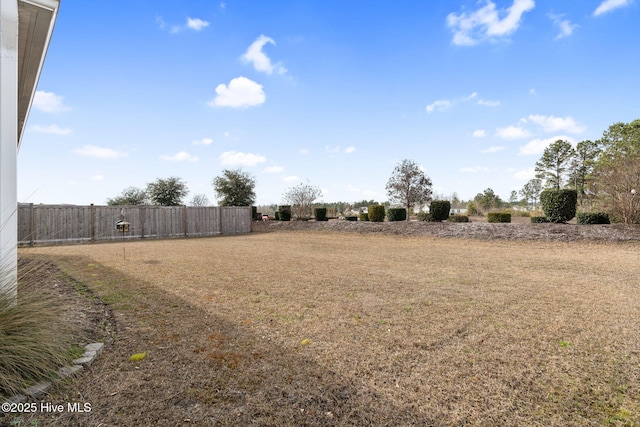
320 328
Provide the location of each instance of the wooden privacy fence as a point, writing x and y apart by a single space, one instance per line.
69 223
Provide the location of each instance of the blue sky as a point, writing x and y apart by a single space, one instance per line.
333 92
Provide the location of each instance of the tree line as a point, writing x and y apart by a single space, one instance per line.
605 174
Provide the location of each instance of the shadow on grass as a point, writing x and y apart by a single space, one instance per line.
201 369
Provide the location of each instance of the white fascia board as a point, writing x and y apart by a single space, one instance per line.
52 6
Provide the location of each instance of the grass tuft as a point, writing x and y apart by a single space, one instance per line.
35 339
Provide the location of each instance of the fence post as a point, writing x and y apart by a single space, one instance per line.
220 208
32 225
92 222
142 214
184 220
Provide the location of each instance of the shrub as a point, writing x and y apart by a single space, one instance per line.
439 210
254 213
472 210
397 214
376 213
320 214
285 212
423 216
35 340
593 218
351 218
559 205
277 216
499 217
539 219
458 218
364 216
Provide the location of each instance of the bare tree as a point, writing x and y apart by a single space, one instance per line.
408 185
301 198
199 200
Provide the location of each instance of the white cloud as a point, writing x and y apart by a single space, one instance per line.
537 146
470 97
274 169
532 91
49 102
232 158
479 133
525 174
241 92
260 61
475 169
181 156
488 103
303 151
99 152
492 149
203 141
338 149
487 23
609 5
291 178
52 129
196 24
440 105
556 124
564 25
512 132
96 178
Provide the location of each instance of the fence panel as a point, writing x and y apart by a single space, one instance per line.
67 223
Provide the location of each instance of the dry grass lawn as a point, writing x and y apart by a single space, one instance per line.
321 328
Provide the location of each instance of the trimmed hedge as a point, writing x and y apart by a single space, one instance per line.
439 210
499 217
397 214
593 218
277 216
254 213
539 219
376 213
559 205
285 212
458 218
320 214
351 218
364 216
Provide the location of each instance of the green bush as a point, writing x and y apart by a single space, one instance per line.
472 210
376 213
277 216
320 214
593 218
439 210
254 213
458 218
285 212
423 216
364 216
351 218
499 217
397 214
539 219
559 205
